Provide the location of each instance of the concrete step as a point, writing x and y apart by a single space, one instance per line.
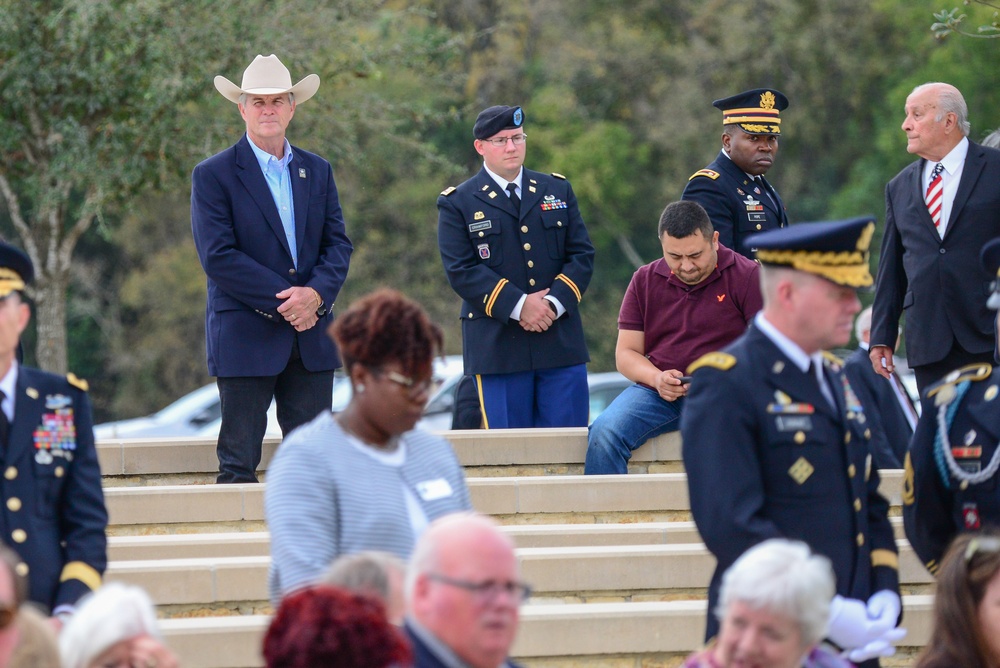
507 452
610 635
571 499
238 585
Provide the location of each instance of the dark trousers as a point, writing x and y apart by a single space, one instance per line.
956 358
300 396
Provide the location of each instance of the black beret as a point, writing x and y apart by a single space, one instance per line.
494 119
16 269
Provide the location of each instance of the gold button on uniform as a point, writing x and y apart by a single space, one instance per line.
852 470
14 504
847 437
22 569
800 437
857 505
482 234
530 264
558 223
59 471
531 281
758 226
527 247
524 228
868 433
19 535
470 315
861 539
10 473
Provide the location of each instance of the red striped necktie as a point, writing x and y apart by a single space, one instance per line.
934 194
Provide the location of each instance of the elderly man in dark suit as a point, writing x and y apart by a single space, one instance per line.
939 212
889 408
269 231
53 512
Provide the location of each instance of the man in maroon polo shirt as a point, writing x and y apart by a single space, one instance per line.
698 298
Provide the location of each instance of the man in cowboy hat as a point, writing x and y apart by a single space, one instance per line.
270 233
52 509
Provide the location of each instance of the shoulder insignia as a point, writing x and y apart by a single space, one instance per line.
559 176
833 360
945 388
716 360
449 190
710 173
79 383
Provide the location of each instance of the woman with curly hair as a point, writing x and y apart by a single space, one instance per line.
326 626
967 605
364 479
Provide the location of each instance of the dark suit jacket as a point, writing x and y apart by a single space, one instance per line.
53 512
493 254
734 204
890 429
423 657
767 456
938 283
242 246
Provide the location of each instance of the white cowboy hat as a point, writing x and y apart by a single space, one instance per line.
267 76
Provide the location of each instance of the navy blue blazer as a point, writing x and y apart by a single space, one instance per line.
53 513
242 246
767 456
493 255
423 657
938 283
887 420
735 205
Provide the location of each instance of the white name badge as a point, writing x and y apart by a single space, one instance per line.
432 490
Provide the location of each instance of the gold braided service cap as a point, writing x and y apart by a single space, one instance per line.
836 250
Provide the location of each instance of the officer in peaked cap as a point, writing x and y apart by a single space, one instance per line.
791 457
733 190
515 249
951 477
53 511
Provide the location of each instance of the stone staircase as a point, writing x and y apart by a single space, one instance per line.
617 566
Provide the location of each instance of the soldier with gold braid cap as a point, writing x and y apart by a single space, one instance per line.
776 443
53 512
951 468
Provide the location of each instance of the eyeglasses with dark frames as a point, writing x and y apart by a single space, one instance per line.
487 590
500 142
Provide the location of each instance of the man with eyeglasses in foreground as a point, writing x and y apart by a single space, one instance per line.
515 249
950 482
463 594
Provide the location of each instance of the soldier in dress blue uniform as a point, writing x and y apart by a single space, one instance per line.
516 251
733 190
776 444
951 469
53 511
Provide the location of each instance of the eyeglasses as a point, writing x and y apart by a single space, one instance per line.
487 590
500 142
414 387
981 544
7 615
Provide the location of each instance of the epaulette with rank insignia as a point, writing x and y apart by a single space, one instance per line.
944 389
712 174
79 383
559 176
716 360
449 190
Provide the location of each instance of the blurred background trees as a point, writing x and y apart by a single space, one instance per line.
108 105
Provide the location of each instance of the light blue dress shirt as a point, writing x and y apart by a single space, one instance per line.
279 182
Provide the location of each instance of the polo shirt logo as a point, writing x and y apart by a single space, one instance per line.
721 297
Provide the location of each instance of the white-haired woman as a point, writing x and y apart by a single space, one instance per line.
774 607
115 627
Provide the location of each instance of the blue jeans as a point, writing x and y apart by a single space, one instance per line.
300 395
635 416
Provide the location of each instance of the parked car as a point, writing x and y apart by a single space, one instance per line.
199 413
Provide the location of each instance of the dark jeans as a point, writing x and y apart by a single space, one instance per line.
300 395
